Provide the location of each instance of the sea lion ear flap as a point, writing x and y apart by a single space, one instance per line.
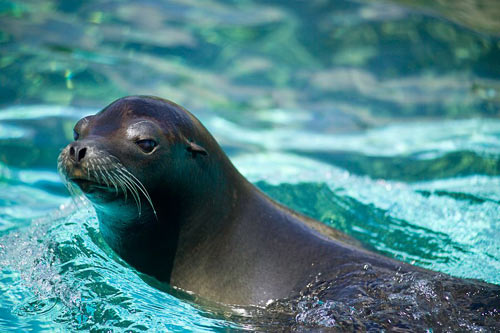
196 149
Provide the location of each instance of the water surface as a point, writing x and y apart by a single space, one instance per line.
376 118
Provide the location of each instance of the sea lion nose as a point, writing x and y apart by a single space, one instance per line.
77 151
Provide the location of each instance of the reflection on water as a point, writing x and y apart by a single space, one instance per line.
374 117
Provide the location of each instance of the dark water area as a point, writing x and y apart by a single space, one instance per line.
378 118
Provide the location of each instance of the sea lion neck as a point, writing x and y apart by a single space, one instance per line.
213 209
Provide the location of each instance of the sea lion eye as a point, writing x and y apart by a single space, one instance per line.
147 145
75 135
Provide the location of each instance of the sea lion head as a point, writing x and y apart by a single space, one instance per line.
137 156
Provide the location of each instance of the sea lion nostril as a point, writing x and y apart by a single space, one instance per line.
81 154
77 153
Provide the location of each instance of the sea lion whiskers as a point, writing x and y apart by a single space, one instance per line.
141 187
93 171
73 190
104 178
117 181
134 183
121 175
60 166
120 184
116 166
128 184
110 177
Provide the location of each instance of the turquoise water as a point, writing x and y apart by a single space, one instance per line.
373 117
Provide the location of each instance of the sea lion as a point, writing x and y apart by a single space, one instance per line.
170 203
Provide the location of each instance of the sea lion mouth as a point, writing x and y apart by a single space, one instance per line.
89 186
